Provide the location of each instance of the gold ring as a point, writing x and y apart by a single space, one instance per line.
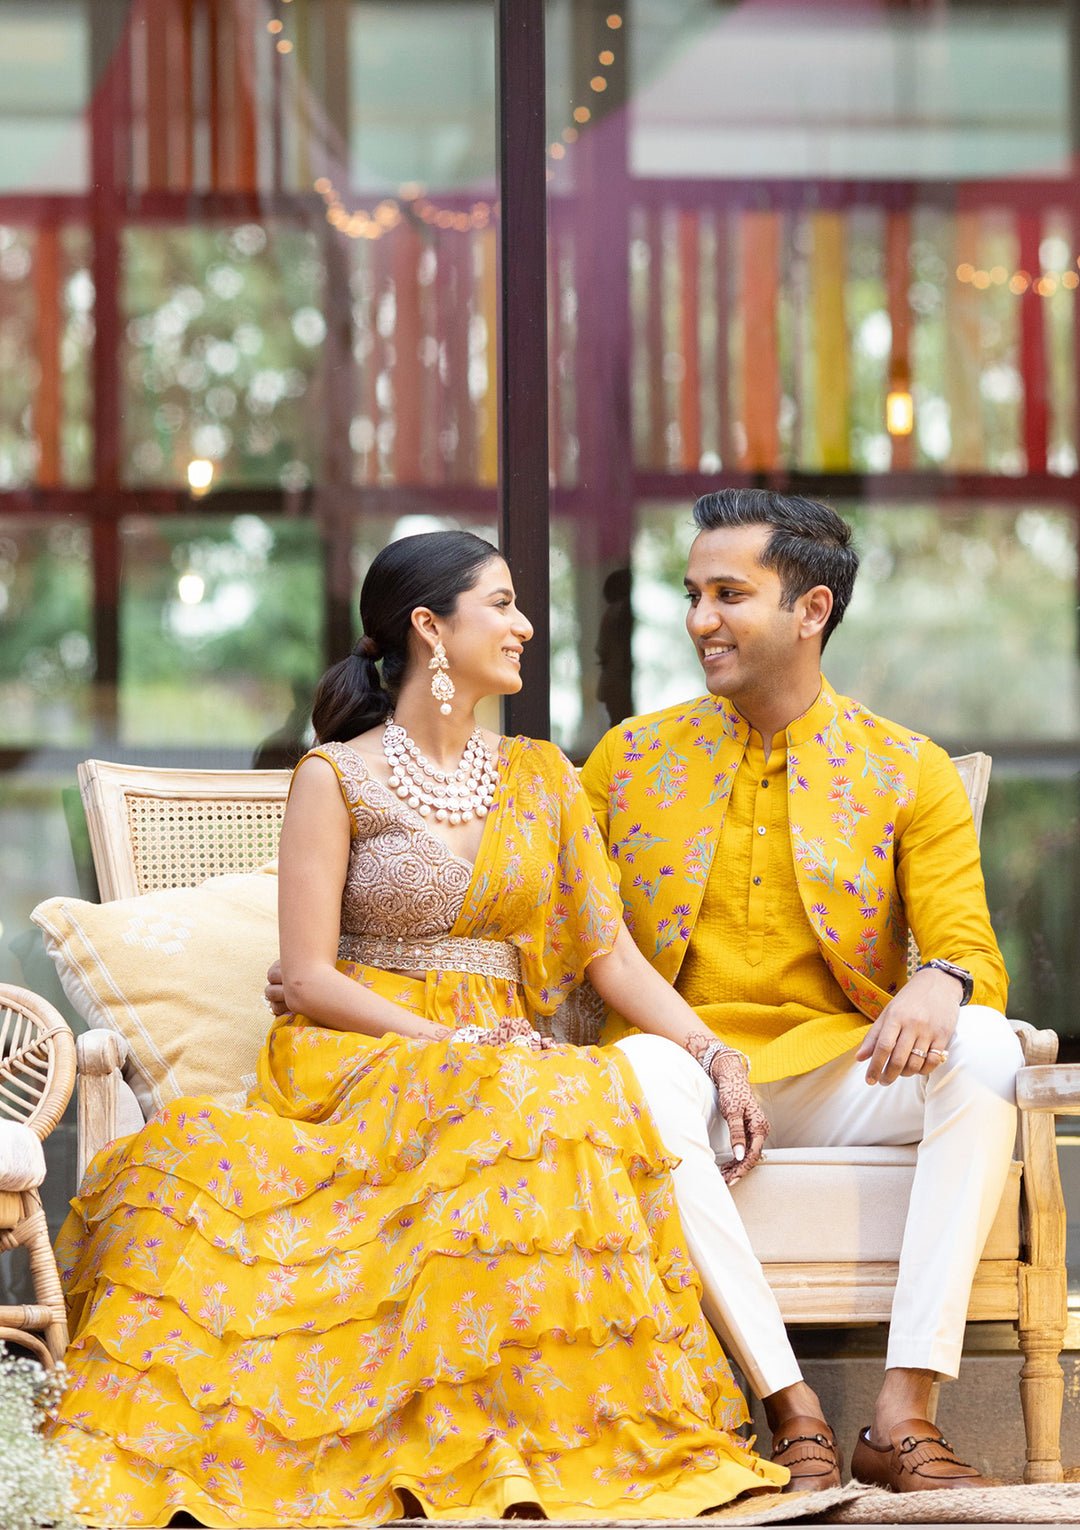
916 1053
940 1052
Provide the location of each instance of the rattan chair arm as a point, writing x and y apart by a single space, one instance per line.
55 1033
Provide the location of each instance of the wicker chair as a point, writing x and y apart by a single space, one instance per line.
37 1075
151 829
162 828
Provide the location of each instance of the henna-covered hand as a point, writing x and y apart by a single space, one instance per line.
514 1031
747 1124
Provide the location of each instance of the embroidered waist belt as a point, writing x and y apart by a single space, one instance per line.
434 953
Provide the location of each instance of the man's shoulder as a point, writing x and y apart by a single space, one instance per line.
693 714
872 727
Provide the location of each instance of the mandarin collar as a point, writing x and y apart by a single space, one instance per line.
817 717
814 720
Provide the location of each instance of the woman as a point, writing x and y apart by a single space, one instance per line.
434 1263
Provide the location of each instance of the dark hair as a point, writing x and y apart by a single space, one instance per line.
433 570
810 544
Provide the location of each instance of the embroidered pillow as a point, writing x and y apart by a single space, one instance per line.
179 974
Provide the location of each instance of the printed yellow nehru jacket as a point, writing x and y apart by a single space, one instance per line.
882 839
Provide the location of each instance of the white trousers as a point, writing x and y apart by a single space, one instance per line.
963 1117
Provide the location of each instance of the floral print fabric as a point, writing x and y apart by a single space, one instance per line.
445 1270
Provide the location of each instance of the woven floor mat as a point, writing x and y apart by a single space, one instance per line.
1043 1503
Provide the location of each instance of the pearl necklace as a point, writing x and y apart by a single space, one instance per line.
455 796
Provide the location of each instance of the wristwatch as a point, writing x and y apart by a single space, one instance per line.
961 974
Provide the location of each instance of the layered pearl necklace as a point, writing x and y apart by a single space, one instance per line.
455 796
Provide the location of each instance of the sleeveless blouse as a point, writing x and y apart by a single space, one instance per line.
402 879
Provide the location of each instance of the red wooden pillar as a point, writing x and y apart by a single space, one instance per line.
1033 346
110 157
245 23
47 279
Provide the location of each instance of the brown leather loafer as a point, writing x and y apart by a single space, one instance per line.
918 1460
807 1447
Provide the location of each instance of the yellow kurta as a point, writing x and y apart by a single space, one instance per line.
445 1270
782 911
752 940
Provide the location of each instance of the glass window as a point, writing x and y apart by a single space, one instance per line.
46 631
825 250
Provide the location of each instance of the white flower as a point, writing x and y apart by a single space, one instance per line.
36 1479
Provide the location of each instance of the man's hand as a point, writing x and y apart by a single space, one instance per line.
746 1121
274 992
912 1034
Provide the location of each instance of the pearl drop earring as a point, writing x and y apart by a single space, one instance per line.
442 687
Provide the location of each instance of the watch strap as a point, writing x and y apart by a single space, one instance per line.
961 974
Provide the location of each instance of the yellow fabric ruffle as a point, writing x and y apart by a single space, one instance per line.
450 1270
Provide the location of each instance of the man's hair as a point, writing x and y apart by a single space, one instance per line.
810 543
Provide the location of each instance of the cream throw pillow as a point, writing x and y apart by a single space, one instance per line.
179 974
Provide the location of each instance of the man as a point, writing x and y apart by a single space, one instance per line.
775 844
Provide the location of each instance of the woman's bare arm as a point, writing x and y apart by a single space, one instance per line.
313 859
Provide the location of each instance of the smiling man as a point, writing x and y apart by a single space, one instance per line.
776 842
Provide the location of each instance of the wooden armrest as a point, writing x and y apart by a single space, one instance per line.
100 1058
100 1052
1050 1087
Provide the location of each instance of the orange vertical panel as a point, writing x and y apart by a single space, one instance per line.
47 349
245 25
689 337
898 279
832 403
760 256
487 464
723 339
408 381
963 351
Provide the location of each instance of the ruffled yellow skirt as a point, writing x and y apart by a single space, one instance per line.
453 1271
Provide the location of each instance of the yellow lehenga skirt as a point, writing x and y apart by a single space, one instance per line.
438 1269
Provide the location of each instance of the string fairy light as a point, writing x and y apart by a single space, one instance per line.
410 201
1019 281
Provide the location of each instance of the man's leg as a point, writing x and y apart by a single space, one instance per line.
737 1299
963 1117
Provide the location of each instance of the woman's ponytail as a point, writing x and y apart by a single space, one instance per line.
350 697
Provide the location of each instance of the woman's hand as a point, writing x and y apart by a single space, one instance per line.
515 1030
274 992
747 1123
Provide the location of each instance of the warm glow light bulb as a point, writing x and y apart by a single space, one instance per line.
899 412
200 474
